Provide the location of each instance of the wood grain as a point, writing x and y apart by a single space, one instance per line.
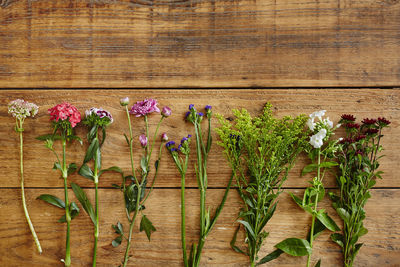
381 248
243 43
39 162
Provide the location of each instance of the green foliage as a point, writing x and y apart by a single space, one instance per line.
261 151
358 163
295 247
87 206
147 226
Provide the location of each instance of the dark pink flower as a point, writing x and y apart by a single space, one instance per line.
142 108
65 111
143 140
166 111
369 121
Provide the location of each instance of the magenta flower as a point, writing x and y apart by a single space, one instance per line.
143 140
142 108
164 137
166 111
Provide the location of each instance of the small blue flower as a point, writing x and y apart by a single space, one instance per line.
173 149
187 114
201 114
189 136
208 107
179 147
169 144
191 106
183 140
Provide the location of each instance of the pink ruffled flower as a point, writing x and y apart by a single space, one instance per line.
142 108
65 111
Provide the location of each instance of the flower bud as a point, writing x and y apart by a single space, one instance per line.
124 101
164 137
166 111
143 140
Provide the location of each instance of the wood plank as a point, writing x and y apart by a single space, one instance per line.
39 162
123 43
381 247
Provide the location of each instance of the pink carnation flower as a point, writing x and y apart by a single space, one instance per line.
65 111
142 108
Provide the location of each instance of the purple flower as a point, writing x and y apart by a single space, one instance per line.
124 101
166 111
174 149
179 147
187 114
201 114
189 136
143 140
191 106
164 137
142 108
208 107
169 144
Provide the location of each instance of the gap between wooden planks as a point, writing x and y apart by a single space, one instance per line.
38 161
132 43
381 244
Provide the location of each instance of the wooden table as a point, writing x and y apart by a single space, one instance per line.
342 56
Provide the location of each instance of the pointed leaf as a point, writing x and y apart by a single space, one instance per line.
52 200
318 229
73 211
117 241
233 242
113 168
271 256
309 168
87 206
338 239
94 145
48 136
248 228
318 264
343 214
329 223
147 226
86 172
295 246
72 168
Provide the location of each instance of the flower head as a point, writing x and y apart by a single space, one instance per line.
170 144
145 107
318 114
367 121
166 111
21 109
371 131
65 112
143 140
208 108
317 140
348 118
164 137
352 125
124 101
191 106
360 137
382 121
98 116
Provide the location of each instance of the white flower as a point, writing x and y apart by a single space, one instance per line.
328 123
317 139
21 109
338 125
311 124
318 114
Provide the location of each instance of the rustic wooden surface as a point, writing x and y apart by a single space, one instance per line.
165 43
382 244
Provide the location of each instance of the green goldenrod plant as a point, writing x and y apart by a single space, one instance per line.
96 119
358 169
20 110
203 146
64 117
133 186
321 150
261 151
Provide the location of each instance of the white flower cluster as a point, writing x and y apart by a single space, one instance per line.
21 109
317 140
99 112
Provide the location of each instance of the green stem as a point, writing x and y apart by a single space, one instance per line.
315 209
126 257
67 260
130 147
183 224
97 226
154 137
28 219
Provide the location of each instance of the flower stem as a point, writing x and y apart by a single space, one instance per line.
28 219
130 146
183 224
67 260
315 208
96 228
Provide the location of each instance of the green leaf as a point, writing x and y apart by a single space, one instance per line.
127 139
113 168
297 200
86 172
343 214
72 168
328 164
57 166
143 164
271 256
147 226
117 241
48 136
329 223
233 242
87 206
73 211
318 264
318 229
52 200
94 145
74 137
338 239
295 247
356 249
156 164
98 156
309 168
248 228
